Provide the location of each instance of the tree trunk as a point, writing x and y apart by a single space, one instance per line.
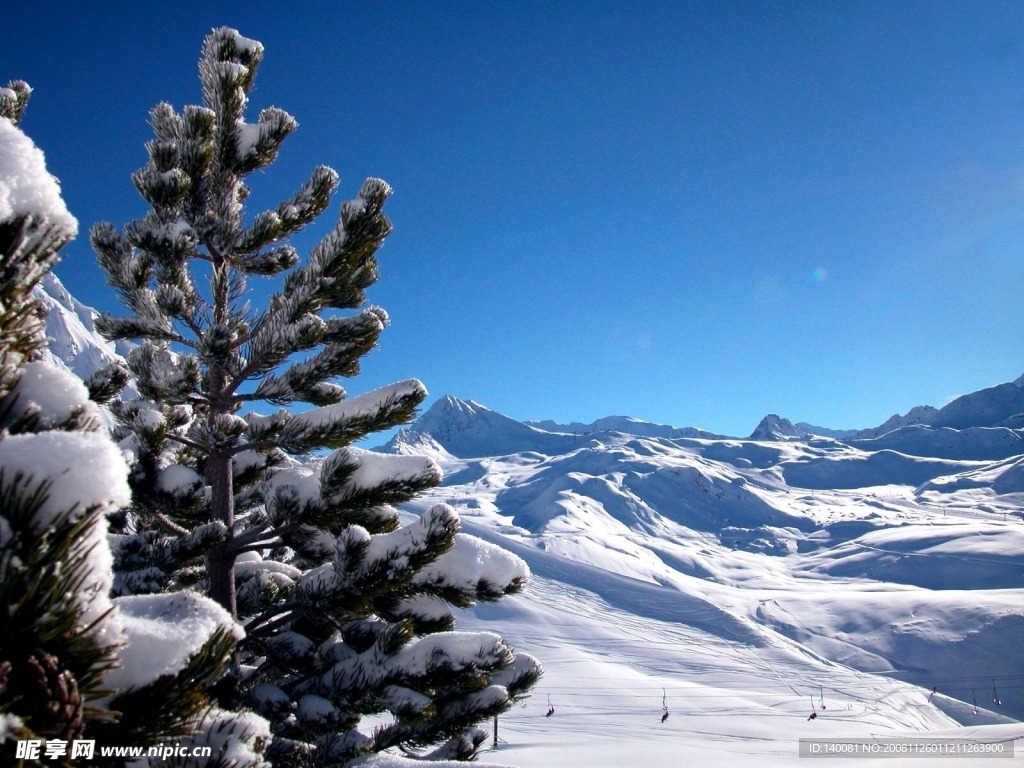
221 565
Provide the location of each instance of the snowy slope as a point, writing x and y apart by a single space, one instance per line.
72 340
611 673
971 443
989 407
743 578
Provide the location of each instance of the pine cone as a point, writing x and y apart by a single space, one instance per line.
51 697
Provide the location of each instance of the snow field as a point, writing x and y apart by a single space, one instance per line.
636 596
608 672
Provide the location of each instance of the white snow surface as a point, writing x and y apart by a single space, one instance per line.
162 633
26 187
84 469
54 393
740 583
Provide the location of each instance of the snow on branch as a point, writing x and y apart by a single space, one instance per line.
403 551
452 652
163 632
256 144
227 69
67 477
34 224
352 472
475 567
83 471
27 190
54 395
13 100
351 419
291 493
367 405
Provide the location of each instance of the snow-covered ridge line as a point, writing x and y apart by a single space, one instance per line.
984 425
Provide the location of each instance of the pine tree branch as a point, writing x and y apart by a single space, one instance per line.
259 546
170 526
189 443
251 536
265 625
259 445
191 324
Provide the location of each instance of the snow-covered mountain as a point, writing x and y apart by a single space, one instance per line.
72 340
736 584
465 428
921 414
625 424
998 406
899 556
774 427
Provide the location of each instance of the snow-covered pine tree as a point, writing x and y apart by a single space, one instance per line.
75 665
347 613
49 664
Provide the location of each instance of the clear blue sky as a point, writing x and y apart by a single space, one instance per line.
694 213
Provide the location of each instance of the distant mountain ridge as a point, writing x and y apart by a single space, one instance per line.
1000 406
982 425
626 425
774 427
